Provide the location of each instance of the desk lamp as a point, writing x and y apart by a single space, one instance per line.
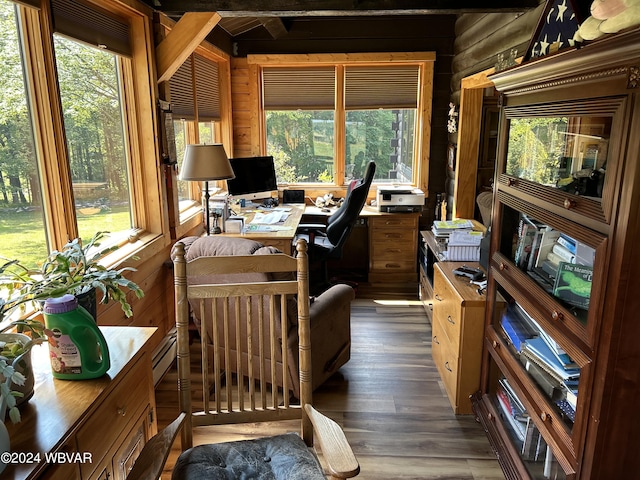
203 163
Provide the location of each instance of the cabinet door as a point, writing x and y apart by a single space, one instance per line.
540 344
564 154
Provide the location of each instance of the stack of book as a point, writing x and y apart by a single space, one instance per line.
512 408
558 263
443 228
545 360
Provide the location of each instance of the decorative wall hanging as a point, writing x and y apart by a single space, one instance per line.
452 123
557 28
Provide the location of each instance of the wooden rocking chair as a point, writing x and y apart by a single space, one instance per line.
248 396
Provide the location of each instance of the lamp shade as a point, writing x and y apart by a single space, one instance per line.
205 162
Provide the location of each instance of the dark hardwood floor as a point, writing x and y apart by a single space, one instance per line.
389 400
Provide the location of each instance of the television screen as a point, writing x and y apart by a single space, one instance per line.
255 178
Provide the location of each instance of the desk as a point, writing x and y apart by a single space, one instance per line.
392 240
281 239
392 244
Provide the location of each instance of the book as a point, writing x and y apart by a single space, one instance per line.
563 253
547 383
573 284
516 328
567 242
554 259
527 231
539 352
547 242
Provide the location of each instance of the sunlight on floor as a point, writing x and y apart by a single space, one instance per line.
398 302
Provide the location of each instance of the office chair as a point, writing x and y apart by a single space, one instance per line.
327 241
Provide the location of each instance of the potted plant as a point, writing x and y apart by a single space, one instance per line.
75 269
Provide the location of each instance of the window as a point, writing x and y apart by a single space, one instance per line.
324 121
195 100
71 157
96 144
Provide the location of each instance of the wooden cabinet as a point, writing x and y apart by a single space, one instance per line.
393 248
104 422
457 326
561 368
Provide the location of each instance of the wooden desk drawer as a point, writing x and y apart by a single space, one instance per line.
397 220
447 363
393 264
447 309
399 238
114 415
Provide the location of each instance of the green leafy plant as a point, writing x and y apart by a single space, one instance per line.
75 269
15 368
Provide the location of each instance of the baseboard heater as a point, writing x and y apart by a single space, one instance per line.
164 355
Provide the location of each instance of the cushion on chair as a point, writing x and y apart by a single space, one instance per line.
270 458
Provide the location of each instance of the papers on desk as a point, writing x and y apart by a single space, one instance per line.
271 218
264 228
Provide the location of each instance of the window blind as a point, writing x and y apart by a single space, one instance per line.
204 91
299 88
91 25
181 88
207 89
387 87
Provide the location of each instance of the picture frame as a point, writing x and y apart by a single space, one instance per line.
451 156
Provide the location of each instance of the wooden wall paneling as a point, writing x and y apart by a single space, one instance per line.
480 37
241 108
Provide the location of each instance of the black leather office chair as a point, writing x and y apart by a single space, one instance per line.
326 241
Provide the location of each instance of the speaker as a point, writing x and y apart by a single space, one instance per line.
293 196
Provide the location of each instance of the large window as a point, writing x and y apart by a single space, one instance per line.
325 122
72 118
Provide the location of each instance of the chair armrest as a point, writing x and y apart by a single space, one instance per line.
335 448
305 227
332 303
150 462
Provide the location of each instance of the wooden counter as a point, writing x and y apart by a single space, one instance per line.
100 417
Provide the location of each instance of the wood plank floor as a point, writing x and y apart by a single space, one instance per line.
389 400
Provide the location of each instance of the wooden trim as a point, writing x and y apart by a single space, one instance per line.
48 126
467 154
423 136
182 40
470 123
340 126
337 58
257 117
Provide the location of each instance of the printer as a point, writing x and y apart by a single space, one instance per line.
398 198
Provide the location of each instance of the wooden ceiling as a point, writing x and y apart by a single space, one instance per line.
241 16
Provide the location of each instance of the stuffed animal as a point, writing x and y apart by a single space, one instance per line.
325 201
610 16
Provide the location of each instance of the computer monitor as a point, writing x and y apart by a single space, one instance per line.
255 178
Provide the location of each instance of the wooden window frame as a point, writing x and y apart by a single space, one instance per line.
425 62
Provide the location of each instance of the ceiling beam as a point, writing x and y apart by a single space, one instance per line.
182 40
292 8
